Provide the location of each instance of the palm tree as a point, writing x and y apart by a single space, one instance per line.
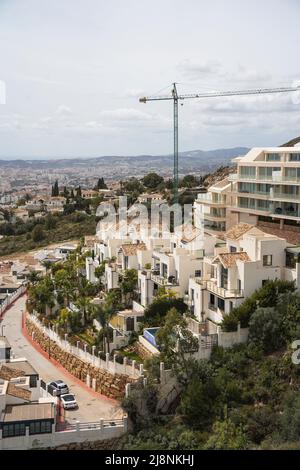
128 284
84 306
103 313
47 265
42 295
33 277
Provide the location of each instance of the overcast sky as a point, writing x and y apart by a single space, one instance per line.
74 70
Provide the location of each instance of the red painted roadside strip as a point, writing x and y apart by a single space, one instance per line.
57 364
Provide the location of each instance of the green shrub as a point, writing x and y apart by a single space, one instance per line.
155 313
266 296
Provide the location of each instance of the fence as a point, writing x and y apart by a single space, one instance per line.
111 365
11 298
67 434
230 338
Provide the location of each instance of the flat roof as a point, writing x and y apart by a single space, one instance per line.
28 412
24 366
130 313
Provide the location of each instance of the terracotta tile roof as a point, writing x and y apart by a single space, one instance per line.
291 236
18 392
6 373
132 248
237 231
189 232
229 259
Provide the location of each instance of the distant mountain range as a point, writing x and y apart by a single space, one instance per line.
194 159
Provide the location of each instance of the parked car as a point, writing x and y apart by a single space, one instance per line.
68 401
60 387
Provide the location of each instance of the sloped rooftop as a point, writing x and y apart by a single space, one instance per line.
229 260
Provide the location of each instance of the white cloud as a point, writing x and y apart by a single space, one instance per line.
63 110
195 70
126 114
135 93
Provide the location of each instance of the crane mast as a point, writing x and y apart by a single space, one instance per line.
217 94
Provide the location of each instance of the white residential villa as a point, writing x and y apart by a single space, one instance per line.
216 271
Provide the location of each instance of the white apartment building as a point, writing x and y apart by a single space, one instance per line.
240 265
266 187
211 207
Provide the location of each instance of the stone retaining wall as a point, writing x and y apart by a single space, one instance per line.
142 351
110 385
110 444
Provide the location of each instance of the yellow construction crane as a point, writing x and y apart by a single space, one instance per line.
175 97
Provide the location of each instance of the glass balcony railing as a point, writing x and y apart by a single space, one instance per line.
285 212
281 196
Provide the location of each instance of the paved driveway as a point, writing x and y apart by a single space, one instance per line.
92 406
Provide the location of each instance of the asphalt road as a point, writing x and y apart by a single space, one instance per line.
91 406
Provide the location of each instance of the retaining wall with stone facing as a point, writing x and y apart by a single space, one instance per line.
102 381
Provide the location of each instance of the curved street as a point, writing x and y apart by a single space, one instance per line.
92 406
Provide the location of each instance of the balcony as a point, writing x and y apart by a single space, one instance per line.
211 286
251 210
284 196
164 281
208 199
204 197
215 217
286 214
222 292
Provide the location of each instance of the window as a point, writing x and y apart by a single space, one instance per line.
224 277
212 299
33 381
292 259
267 172
40 427
232 249
273 157
248 172
292 173
12 430
295 157
192 294
267 260
198 273
221 304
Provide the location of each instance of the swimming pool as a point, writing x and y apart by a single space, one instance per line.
149 335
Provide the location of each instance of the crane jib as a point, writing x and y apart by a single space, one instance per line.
258 91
